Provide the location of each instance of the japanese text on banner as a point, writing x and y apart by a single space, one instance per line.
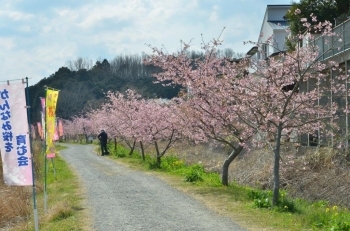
14 137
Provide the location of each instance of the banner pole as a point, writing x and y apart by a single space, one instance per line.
36 219
45 162
54 169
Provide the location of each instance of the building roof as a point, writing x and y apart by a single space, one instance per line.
278 25
277 53
252 51
279 5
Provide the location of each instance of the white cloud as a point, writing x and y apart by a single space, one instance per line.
6 45
214 14
18 16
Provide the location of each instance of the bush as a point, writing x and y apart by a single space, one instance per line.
152 162
121 151
261 199
332 218
171 163
284 204
213 179
195 173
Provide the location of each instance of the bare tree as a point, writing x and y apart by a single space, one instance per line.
229 54
79 63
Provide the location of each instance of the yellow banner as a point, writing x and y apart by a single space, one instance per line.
51 101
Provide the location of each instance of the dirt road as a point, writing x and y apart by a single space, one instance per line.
124 199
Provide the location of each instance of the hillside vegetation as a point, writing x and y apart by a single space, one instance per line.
83 87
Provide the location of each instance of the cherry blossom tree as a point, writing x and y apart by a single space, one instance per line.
288 95
120 116
208 110
76 127
133 119
159 122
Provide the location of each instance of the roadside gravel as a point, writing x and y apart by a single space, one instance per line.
127 200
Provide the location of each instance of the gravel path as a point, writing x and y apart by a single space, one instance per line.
124 199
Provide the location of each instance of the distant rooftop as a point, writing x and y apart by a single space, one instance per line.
279 24
280 5
253 50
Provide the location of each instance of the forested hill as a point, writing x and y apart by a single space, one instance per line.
82 84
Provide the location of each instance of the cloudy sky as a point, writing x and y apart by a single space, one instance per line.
37 37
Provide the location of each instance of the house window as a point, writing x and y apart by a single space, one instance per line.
265 49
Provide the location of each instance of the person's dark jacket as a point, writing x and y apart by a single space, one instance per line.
103 137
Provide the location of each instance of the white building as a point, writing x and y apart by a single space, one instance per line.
274 26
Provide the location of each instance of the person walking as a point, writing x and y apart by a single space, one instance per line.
103 137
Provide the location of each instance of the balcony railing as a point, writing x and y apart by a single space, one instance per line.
330 46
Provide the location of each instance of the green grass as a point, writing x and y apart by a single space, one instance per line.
64 205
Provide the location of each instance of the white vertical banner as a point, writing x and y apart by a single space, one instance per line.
14 136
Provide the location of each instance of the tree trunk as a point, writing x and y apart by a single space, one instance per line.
142 151
132 148
276 167
115 144
159 160
227 162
